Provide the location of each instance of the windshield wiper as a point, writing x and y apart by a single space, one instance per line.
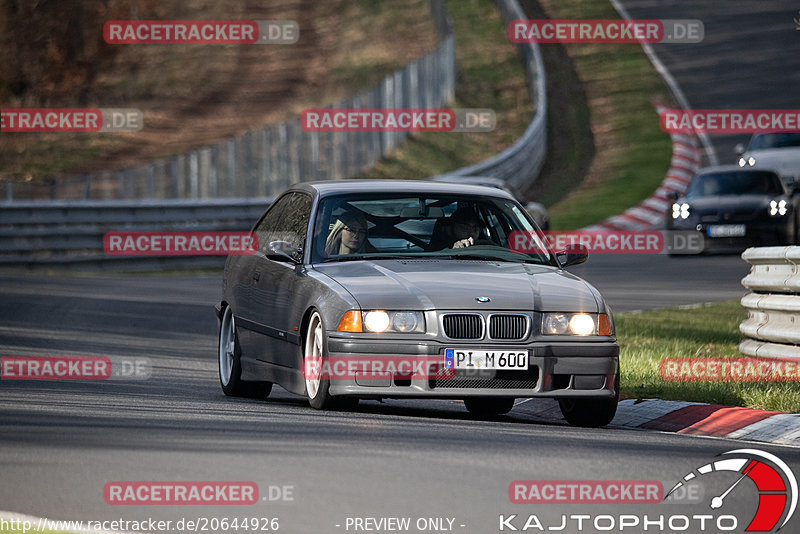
358 257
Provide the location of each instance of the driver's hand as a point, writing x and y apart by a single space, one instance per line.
464 243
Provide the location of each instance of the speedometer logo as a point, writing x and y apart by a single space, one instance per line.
775 482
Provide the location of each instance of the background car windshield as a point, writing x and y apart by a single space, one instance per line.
427 225
775 140
735 183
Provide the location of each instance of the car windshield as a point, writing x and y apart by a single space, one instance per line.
735 183
378 226
775 140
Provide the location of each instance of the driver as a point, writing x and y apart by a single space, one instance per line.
462 229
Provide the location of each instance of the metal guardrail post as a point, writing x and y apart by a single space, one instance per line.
773 322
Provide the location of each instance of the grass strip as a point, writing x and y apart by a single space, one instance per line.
707 331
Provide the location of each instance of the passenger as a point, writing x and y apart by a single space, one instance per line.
349 235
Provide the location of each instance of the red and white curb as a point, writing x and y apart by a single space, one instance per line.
694 418
648 214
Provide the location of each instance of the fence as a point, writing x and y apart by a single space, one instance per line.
519 165
263 162
773 324
70 233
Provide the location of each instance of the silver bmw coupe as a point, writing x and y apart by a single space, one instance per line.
387 289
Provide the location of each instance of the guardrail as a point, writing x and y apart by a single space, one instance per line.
519 165
773 324
263 162
70 233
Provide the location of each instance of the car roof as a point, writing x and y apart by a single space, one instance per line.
732 168
489 181
337 187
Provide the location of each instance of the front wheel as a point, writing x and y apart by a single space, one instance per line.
317 384
590 413
488 406
230 365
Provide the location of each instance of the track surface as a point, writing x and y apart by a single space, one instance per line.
61 442
749 58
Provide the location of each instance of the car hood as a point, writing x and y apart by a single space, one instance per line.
728 203
426 284
784 160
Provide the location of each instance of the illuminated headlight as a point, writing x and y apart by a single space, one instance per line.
680 211
576 324
393 321
742 162
778 207
751 161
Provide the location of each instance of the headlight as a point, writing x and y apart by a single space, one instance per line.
378 321
778 207
751 161
576 324
680 211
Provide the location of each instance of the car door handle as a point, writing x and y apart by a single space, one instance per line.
257 276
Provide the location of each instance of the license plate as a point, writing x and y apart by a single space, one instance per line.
726 230
485 359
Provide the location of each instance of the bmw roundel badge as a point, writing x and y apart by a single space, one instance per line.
482 299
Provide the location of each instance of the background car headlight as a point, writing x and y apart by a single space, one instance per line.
576 324
378 321
680 211
778 207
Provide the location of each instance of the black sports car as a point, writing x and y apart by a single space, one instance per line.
736 207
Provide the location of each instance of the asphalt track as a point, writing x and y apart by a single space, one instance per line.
61 442
749 58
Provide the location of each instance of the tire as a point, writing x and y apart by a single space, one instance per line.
318 387
230 366
590 413
482 407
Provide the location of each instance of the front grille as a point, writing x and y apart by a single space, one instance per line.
502 380
463 326
508 327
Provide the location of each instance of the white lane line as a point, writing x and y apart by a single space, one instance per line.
671 83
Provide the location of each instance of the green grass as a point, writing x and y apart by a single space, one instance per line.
632 153
710 330
489 75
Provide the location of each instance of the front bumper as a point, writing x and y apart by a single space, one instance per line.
556 369
757 233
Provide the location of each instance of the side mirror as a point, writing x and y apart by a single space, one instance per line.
673 195
572 255
739 149
284 251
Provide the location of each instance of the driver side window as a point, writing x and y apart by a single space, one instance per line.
287 220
